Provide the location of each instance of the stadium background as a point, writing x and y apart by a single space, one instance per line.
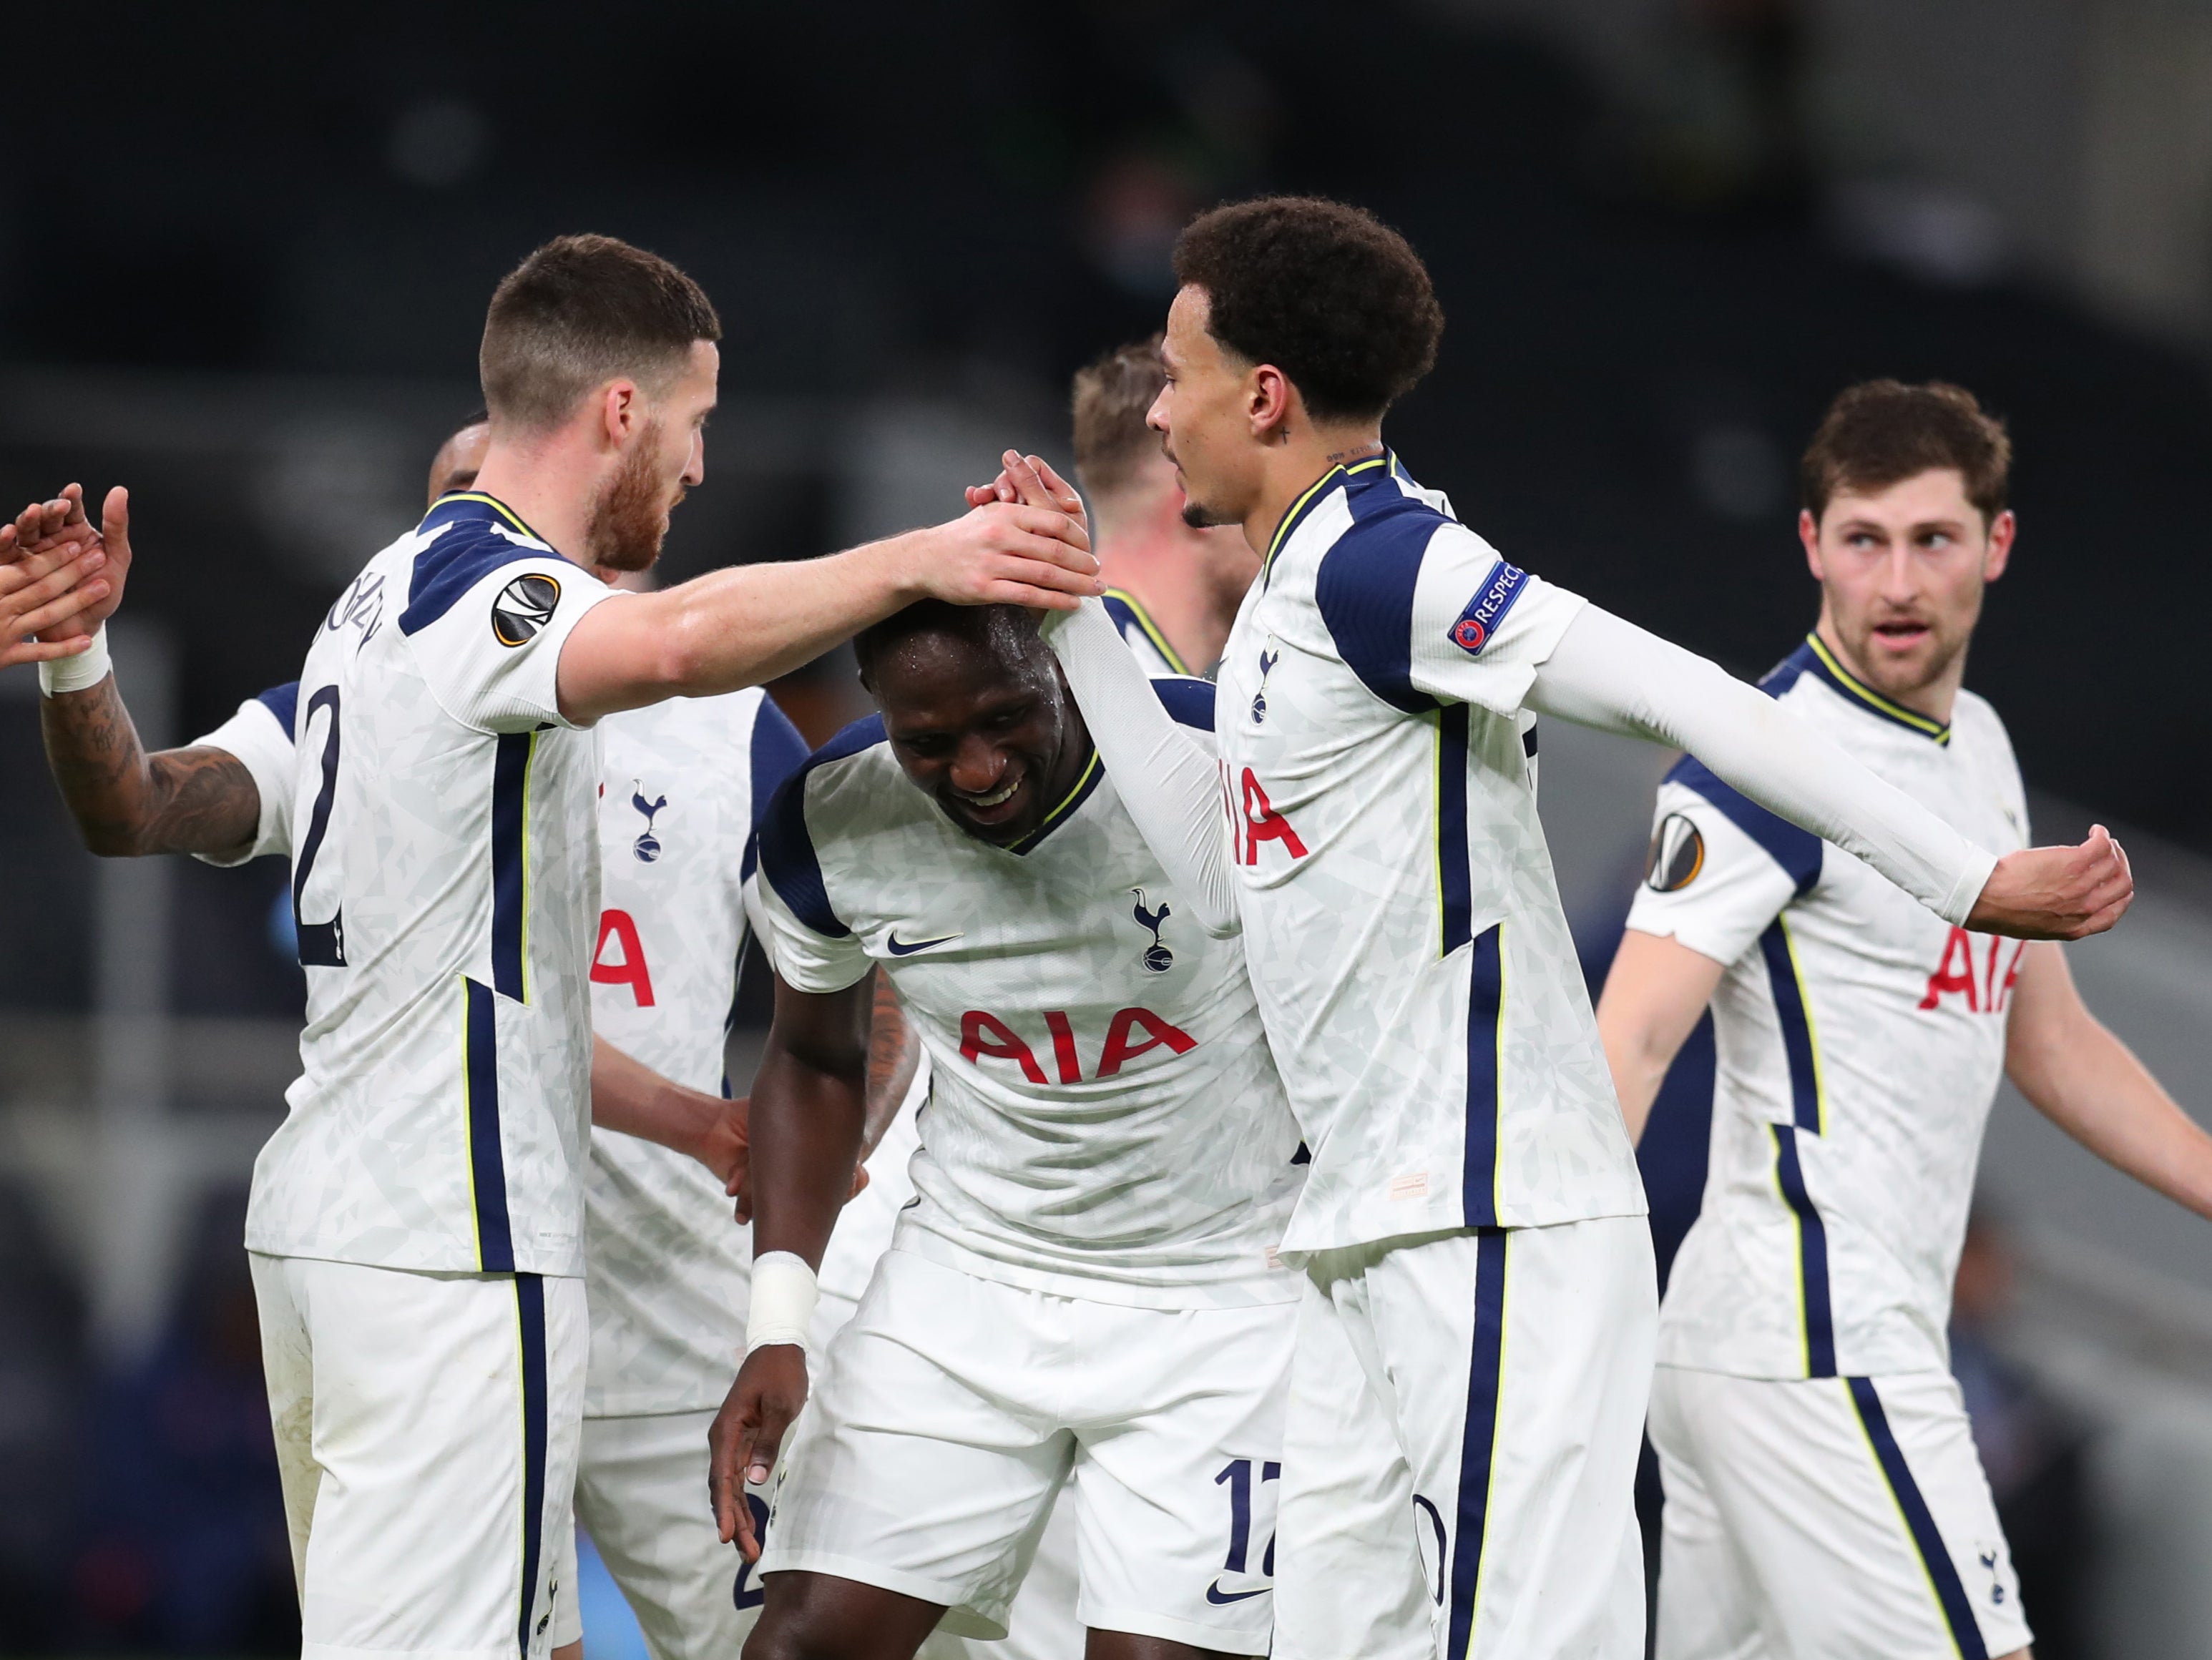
244 254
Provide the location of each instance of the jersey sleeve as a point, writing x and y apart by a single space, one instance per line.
807 944
488 620
260 737
1425 611
1721 866
777 752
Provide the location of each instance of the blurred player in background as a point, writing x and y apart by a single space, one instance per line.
1823 1491
1084 1295
1475 1349
1172 587
416 1220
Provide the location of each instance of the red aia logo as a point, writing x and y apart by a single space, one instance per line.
1259 822
630 969
1955 975
987 1037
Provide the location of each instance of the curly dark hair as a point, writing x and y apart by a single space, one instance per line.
1327 292
1881 433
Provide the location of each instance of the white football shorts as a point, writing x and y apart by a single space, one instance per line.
1459 1451
951 1412
1828 1517
426 1428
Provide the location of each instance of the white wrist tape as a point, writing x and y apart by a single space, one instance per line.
80 673
785 1292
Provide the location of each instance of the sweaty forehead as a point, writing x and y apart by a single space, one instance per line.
934 677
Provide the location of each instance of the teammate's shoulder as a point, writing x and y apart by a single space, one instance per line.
467 537
787 844
1799 852
1187 700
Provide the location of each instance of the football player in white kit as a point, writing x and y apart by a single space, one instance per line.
1823 1495
1475 1343
666 1270
666 1266
1085 1294
415 1223
1171 587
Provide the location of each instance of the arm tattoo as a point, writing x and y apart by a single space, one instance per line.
894 1053
126 801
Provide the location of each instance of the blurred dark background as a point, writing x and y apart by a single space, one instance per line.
244 255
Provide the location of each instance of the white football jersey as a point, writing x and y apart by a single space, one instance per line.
1105 1120
1143 635
260 735
1859 1037
670 1272
446 884
1401 923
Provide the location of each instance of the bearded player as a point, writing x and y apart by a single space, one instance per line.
1823 1491
417 1220
1475 1344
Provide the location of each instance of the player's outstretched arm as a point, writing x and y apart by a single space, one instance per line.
2089 1083
125 801
1170 783
1611 674
1654 995
808 1120
743 626
630 1096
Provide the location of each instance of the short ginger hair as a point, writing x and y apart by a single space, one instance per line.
1326 291
1881 433
577 312
1112 397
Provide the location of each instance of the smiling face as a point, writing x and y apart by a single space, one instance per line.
1204 416
991 734
1901 572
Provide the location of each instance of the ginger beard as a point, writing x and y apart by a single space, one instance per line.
630 518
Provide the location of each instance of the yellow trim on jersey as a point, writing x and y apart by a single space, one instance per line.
1151 629
529 761
1798 1236
1812 1027
1290 517
1435 720
1903 1522
1874 699
469 1125
1083 780
490 501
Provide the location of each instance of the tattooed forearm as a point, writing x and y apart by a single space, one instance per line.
126 801
893 1053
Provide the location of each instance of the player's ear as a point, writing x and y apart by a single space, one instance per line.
1808 532
2000 548
1267 401
621 410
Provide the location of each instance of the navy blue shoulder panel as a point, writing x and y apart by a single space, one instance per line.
1799 852
786 846
1785 673
778 751
283 702
455 563
1364 589
1189 701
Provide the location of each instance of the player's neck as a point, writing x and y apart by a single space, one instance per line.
550 484
1147 551
1301 455
1935 699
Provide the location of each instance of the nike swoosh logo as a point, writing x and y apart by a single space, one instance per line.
900 948
1217 1596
